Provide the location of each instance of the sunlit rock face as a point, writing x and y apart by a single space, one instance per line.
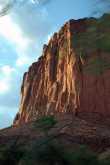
73 73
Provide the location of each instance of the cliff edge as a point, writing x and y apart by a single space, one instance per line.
72 75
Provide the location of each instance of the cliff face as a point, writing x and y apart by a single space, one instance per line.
73 73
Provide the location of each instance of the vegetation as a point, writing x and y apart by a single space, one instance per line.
104 158
97 66
49 150
53 153
95 37
45 124
10 155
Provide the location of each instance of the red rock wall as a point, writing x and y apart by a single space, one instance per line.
60 81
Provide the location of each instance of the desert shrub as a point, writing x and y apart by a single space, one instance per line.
52 153
45 152
45 123
104 162
48 151
104 158
10 155
81 156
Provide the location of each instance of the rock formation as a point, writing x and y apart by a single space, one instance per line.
73 73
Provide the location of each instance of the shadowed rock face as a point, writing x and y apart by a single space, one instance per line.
73 73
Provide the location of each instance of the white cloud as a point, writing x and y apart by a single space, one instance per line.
7 70
34 1
5 78
25 34
6 120
7 115
12 32
4 87
25 29
49 37
22 61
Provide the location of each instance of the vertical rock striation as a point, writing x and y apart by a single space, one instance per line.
72 75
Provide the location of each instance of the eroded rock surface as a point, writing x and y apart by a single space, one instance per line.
73 73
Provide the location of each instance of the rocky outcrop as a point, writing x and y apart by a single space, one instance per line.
73 73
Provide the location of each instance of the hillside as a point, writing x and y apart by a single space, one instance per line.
82 140
64 114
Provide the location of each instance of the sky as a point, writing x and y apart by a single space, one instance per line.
24 28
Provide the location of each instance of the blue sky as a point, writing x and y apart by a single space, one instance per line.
23 31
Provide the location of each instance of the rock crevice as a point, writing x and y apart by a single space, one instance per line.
69 76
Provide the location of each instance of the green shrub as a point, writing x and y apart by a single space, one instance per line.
104 158
45 123
44 152
81 156
10 155
97 66
52 153
95 37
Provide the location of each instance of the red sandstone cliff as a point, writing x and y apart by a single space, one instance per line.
64 81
